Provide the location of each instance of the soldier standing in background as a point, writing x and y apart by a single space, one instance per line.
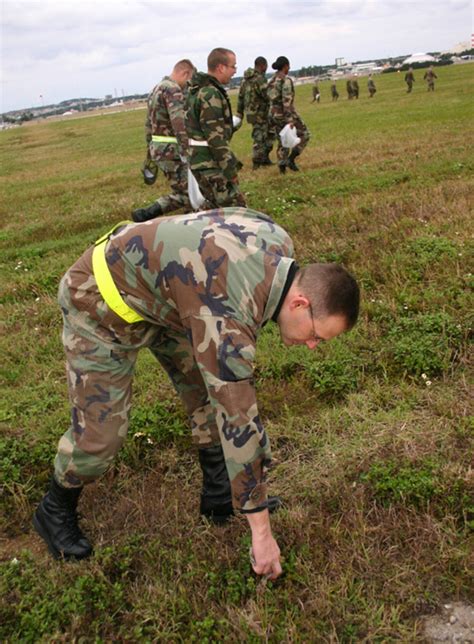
409 79
210 128
355 87
371 86
316 93
334 92
282 112
167 140
253 101
430 77
350 92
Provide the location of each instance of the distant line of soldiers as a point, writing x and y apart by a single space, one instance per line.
352 87
190 124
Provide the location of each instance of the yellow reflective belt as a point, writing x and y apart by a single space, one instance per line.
105 282
164 139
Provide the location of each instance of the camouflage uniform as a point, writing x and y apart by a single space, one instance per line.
208 119
409 80
253 101
166 118
334 92
205 284
282 111
371 87
430 77
350 91
316 93
355 88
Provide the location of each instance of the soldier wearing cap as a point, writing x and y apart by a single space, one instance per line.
253 102
281 93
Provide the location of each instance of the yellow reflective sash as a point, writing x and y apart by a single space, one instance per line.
164 139
105 282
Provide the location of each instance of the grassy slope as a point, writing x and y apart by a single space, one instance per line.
374 463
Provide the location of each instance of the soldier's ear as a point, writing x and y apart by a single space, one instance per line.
298 301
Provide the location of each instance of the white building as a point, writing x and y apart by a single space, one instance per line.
419 58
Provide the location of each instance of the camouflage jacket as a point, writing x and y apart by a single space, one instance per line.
209 118
429 75
165 117
253 97
409 77
281 94
215 278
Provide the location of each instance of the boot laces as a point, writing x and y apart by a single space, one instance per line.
72 526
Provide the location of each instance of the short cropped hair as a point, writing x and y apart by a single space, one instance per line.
181 65
260 61
331 290
218 56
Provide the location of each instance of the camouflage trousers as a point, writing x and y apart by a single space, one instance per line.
176 172
301 130
218 191
99 376
262 142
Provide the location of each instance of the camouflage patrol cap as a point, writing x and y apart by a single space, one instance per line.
280 62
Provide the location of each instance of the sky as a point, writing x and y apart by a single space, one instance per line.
53 50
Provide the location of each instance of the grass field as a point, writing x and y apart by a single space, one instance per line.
372 435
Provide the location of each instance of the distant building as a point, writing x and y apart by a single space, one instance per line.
459 48
419 58
340 62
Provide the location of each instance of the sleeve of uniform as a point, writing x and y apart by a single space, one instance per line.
262 90
287 100
212 123
241 100
224 351
174 100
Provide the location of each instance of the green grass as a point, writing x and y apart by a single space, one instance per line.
372 434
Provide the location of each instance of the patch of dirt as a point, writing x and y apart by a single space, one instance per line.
454 624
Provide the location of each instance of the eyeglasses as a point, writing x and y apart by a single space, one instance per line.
231 66
317 338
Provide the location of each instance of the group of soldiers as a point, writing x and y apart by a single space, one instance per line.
429 77
190 125
352 88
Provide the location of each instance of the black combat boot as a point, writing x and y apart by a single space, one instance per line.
144 214
55 520
291 161
216 498
282 168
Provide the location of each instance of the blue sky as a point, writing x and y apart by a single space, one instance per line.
70 48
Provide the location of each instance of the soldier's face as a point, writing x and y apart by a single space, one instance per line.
298 326
228 70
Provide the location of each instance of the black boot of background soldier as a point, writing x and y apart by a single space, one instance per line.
291 161
56 521
216 497
144 214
